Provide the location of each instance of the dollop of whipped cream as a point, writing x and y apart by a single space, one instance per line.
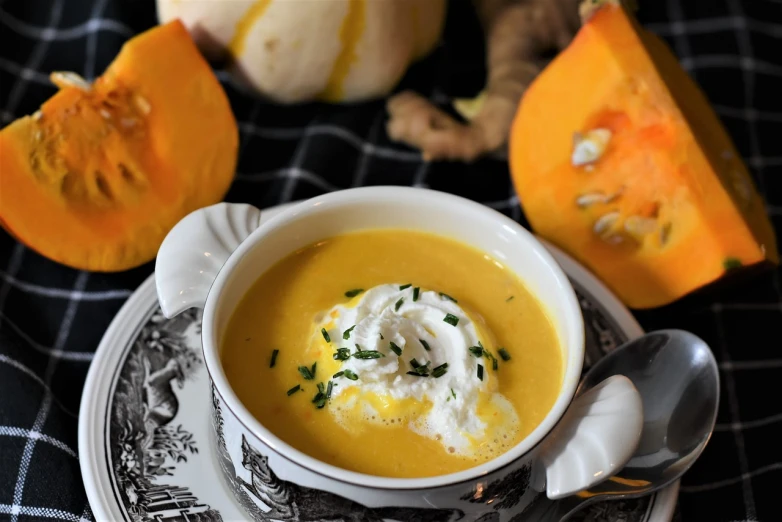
415 321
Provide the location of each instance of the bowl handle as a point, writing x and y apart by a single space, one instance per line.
195 250
594 439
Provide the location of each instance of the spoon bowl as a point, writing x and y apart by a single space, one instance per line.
678 380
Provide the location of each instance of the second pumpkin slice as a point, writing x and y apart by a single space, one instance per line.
98 176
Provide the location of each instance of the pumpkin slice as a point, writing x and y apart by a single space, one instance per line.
99 175
618 158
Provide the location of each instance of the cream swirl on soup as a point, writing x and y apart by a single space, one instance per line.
415 356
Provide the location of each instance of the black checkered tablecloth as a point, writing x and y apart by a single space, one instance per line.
52 318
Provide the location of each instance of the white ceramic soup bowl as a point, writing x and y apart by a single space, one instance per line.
212 257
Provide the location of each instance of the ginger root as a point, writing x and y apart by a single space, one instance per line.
517 32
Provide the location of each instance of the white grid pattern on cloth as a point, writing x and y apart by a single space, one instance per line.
11 431
680 30
46 403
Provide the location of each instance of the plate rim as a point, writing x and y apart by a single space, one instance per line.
104 503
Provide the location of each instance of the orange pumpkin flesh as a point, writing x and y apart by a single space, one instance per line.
669 206
101 173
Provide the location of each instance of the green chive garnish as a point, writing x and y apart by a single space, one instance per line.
337 375
350 375
319 400
314 365
451 319
416 291
504 354
325 335
321 387
424 344
368 354
399 304
306 373
405 286
294 390
476 351
416 374
328 389
480 371
354 292
342 354
510 298
731 263
440 370
381 337
274 358
446 296
394 348
358 348
346 335
420 369
494 364
453 393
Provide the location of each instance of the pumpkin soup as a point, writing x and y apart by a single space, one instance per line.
394 353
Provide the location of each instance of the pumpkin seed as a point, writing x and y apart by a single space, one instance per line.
69 79
605 222
589 147
590 198
640 226
614 239
142 104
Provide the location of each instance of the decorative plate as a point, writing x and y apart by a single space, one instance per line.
144 426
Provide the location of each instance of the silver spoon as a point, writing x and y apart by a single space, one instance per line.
678 379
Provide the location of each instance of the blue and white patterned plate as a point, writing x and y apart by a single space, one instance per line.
144 426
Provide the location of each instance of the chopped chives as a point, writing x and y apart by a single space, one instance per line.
306 373
325 335
414 363
446 296
274 358
314 365
354 292
350 375
480 371
453 393
424 344
510 298
319 400
328 389
399 304
358 348
403 287
451 319
321 387
476 351
337 375
420 369
504 354
381 337
439 371
346 335
416 291
416 374
394 348
342 354
494 364
368 354
294 390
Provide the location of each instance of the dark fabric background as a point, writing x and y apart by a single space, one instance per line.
52 318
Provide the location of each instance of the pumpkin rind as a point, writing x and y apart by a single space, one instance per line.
666 200
98 176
